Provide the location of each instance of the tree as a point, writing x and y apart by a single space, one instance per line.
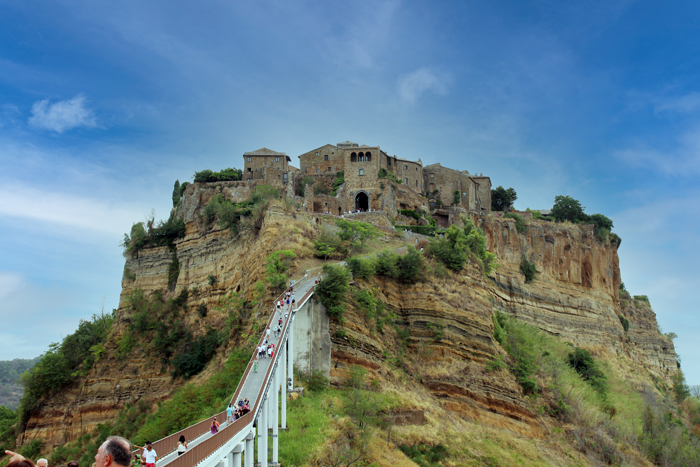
357 233
176 193
568 208
502 199
331 289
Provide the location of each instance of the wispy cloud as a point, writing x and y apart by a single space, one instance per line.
419 82
97 216
63 115
683 158
684 104
9 282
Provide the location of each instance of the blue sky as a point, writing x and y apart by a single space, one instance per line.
104 104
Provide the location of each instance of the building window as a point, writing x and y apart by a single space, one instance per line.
279 176
405 181
285 177
250 179
277 159
361 172
361 158
353 157
317 154
416 169
249 169
329 169
405 167
325 157
368 157
326 203
388 161
248 159
317 170
416 182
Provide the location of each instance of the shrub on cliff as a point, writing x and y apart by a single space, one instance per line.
208 176
567 208
460 244
528 269
302 184
340 179
164 233
519 223
357 233
332 288
582 361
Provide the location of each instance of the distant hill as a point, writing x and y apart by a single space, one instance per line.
11 389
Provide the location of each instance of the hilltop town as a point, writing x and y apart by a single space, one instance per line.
349 177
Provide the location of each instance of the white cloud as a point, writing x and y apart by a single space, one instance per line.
419 82
64 209
684 104
63 115
9 282
683 158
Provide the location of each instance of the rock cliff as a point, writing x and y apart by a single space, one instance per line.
445 334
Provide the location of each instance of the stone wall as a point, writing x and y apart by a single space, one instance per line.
411 173
318 161
483 188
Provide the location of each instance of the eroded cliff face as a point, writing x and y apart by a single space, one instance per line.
445 335
576 293
235 263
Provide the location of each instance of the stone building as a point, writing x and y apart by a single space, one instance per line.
458 188
369 174
269 167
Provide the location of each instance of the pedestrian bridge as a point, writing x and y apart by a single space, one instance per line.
266 390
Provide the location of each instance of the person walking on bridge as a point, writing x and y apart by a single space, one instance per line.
181 445
214 427
149 454
229 414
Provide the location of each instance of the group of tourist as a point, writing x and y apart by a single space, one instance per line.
234 413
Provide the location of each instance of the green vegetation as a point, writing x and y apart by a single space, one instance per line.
11 389
320 189
332 288
625 323
340 179
409 213
502 199
357 233
176 193
456 198
528 269
519 223
314 380
62 363
8 419
225 175
302 184
425 455
570 209
158 325
152 235
582 361
329 245
383 173
461 244
278 263
173 271
228 212
408 268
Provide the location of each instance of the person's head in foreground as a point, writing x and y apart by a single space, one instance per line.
115 451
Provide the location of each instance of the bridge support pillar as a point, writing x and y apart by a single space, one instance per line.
283 386
249 449
262 433
275 412
234 457
290 355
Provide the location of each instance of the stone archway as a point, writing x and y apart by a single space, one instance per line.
361 201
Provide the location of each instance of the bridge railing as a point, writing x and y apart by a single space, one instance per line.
168 444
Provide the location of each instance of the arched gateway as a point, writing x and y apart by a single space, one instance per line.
361 201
